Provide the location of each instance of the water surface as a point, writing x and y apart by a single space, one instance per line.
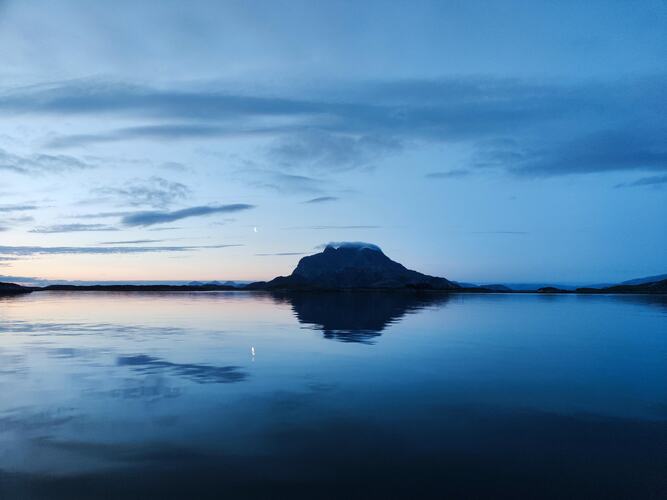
113 395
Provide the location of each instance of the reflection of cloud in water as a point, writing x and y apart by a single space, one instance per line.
12 364
654 300
203 374
36 329
144 388
357 316
73 352
27 419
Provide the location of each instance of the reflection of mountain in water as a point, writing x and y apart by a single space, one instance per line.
357 316
653 300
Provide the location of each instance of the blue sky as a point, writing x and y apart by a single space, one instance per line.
480 141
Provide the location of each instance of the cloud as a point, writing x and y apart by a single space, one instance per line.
498 232
17 208
5 261
164 228
81 97
322 199
72 228
131 242
332 227
326 150
154 132
8 222
155 192
556 129
39 163
174 166
156 217
282 182
278 254
39 250
603 151
99 215
450 174
19 279
654 180
356 245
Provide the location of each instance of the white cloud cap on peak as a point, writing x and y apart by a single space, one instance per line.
358 245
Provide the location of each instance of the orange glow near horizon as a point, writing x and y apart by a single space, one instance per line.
150 267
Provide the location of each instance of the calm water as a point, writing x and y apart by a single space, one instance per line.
110 395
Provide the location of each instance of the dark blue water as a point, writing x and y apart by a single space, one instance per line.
110 395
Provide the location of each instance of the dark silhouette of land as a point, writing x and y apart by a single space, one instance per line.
655 287
351 266
12 289
360 266
141 288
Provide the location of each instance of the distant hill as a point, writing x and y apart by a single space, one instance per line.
353 266
139 288
13 289
521 287
653 287
496 288
217 283
648 279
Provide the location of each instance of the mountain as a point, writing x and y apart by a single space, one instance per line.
353 266
471 287
497 288
531 287
653 287
648 279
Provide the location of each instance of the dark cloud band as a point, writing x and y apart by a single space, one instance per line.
149 218
548 129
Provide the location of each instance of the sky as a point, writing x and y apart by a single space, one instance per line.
214 140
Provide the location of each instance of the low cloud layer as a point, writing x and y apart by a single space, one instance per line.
73 228
100 250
